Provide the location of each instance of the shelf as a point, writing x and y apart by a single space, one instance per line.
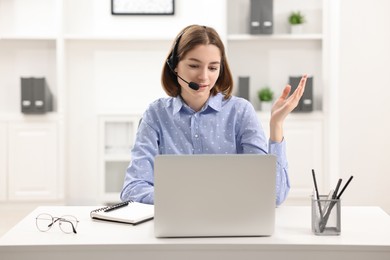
38 37
289 37
26 58
17 116
86 37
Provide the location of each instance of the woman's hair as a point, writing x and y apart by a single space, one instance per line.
189 38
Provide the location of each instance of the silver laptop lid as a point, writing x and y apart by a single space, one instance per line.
214 195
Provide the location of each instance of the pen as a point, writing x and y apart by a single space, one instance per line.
327 203
345 186
317 193
337 189
117 206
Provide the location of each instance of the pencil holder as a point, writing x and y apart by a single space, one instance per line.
325 216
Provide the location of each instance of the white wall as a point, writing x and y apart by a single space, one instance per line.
364 94
94 17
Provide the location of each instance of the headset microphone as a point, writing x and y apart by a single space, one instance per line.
191 84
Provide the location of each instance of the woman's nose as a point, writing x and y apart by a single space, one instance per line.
203 73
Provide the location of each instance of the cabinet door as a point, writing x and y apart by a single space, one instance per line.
117 135
3 161
33 161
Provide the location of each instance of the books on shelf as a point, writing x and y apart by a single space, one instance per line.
125 212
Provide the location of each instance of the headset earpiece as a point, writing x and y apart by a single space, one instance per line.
173 59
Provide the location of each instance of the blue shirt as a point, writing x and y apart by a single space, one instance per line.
169 126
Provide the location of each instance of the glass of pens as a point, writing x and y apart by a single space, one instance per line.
325 215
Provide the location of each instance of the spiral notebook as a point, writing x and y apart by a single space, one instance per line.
125 212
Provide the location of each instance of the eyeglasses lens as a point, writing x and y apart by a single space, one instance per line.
44 222
68 224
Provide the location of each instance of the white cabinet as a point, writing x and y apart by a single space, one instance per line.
33 161
116 139
3 161
31 152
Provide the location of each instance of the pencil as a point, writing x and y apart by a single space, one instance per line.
317 193
345 186
337 189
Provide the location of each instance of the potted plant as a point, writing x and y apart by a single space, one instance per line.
266 95
296 21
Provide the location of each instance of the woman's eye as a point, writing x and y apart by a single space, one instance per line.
193 66
213 68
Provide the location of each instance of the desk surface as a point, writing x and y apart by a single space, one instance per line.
365 233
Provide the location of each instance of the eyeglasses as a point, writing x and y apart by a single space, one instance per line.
67 223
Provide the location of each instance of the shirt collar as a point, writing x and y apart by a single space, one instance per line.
178 103
214 102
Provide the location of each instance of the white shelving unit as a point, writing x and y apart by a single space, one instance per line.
31 145
275 57
269 60
104 70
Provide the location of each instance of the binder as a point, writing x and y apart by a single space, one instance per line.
306 102
243 87
129 212
36 97
261 17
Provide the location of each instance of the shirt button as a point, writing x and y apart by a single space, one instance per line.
196 136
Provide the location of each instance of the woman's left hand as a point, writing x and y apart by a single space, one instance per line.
283 106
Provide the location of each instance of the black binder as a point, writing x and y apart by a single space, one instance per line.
36 97
261 17
306 102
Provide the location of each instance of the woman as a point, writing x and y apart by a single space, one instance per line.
202 117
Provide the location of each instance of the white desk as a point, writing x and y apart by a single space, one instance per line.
365 234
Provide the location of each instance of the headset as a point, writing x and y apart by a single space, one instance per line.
173 60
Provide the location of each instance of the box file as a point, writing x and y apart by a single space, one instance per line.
306 102
36 97
261 17
243 87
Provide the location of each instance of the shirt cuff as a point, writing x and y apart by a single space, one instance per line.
278 149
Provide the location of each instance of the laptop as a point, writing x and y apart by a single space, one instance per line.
214 195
